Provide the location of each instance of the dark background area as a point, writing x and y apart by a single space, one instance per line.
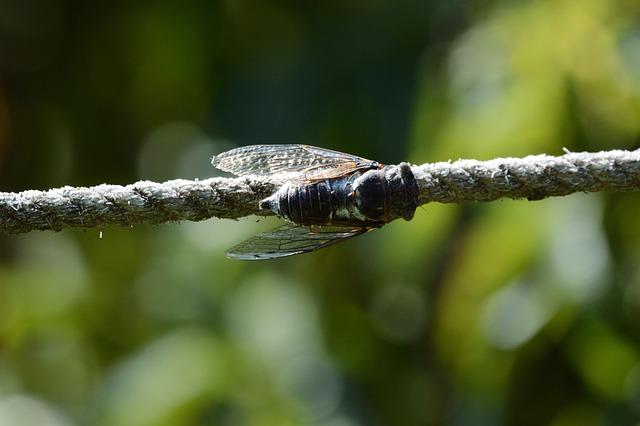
511 312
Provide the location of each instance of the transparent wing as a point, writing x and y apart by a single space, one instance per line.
290 239
307 161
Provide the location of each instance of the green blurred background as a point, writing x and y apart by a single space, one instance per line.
512 312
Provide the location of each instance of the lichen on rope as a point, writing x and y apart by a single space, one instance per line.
144 202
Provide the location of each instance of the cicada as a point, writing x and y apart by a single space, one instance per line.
328 196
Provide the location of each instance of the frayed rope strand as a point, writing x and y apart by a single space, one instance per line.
533 178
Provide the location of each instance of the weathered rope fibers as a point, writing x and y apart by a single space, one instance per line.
144 202
534 177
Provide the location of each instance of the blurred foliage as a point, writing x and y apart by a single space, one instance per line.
504 313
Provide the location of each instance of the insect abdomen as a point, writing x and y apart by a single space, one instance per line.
316 203
307 202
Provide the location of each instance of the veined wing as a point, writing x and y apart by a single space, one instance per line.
308 162
290 239
323 172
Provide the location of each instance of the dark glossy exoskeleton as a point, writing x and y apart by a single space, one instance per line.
328 196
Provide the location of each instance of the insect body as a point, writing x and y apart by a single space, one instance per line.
328 196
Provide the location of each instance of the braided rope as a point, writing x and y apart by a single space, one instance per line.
533 178
142 202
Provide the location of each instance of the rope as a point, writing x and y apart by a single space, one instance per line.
144 202
534 177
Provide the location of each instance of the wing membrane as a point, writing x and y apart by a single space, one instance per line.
290 239
307 161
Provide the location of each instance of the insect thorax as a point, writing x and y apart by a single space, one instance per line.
387 194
